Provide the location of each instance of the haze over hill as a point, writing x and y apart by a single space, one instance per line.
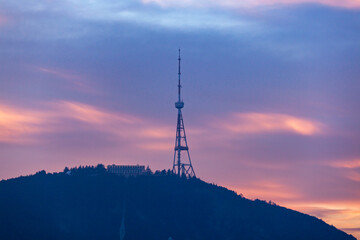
91 203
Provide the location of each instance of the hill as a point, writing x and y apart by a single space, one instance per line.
90 204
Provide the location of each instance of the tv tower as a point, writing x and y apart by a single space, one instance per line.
181 167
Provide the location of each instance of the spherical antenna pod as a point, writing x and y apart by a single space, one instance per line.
179 105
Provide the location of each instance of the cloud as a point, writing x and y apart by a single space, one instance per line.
355 231
341 214
344 215
90 114
254 123
59 73
268 190
157 146
139 13
250 3
18 125
72 19
77 81
159 133
349 168
355 163
354 176
119 125
180 19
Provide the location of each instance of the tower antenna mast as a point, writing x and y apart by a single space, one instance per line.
179 77
181 166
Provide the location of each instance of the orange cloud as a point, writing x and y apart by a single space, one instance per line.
251 3
343 215
246 123
268 190
17 124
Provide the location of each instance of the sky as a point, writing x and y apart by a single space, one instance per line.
271 91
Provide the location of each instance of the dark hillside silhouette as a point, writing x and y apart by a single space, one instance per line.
89 203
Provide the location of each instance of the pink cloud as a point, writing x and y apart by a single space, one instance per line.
76 81
252 123
349 168
354 163
90 114
16 124
354 176
158 132
157 146
60 73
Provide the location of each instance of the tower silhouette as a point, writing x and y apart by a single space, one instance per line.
181 166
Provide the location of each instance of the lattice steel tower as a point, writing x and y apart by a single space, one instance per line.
181 166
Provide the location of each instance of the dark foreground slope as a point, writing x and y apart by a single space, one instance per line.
91 206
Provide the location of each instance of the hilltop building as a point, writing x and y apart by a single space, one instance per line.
128 170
